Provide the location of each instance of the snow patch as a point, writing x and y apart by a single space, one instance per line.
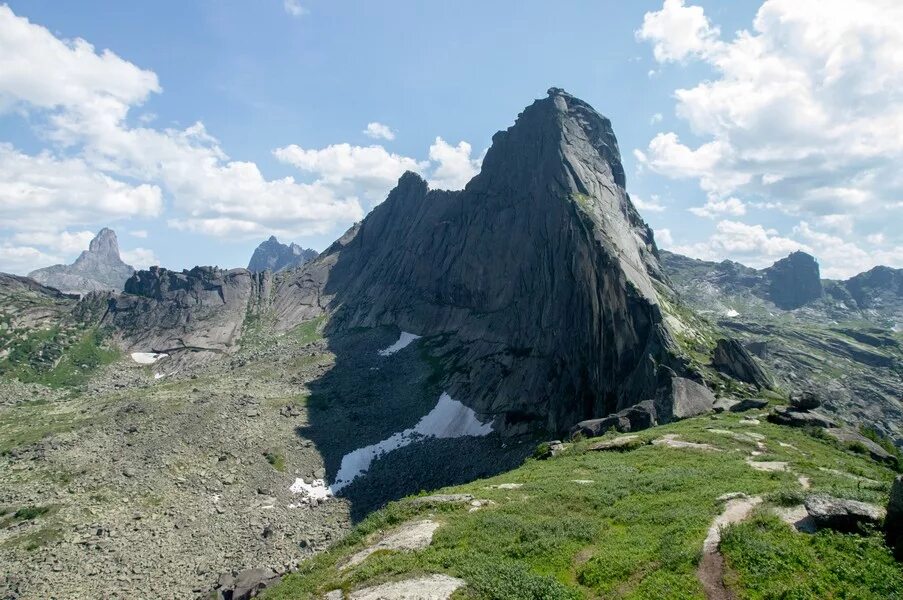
159 375
317 489
404 340
449 419
147 358
731 313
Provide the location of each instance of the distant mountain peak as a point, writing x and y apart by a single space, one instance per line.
99 268
275 256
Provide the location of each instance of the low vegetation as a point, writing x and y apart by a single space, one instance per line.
590 524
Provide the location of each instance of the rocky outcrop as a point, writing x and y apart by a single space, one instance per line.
785 415
200 309
99 268
794 281
732 359
274 256
537 282
841 514
856 440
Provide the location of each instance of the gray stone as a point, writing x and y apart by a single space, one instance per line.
849 436
841 514
805 400
689 399
634 418
443 499
621 443
724 404
749 404
732 359
783 415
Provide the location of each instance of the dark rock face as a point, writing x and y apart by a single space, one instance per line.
200 309
794 281
732 359
878 287
783 415
99 268
275 256
538 277
841 514
805 400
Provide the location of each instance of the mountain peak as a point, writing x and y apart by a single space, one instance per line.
105 243
97 268
275 256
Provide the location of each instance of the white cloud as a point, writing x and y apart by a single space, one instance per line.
138 233
24 259
841 258
656 118
39 190
454 166
651 205
664 238
753 245
80 100
678 31
714 208
140 258
63 242
378 131
294 8
804 113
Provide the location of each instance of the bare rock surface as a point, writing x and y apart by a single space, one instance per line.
411 536
428 587
99 268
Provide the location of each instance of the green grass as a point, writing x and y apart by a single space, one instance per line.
276 460
635 532
42 357
770 561
309 331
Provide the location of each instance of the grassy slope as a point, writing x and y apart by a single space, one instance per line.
637 530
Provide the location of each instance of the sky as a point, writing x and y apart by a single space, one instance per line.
748 128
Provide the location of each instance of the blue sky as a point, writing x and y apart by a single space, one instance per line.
180 123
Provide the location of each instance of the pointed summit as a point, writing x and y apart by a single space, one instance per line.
105 244
275 256
99 268
540 279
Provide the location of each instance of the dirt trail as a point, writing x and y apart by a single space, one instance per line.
711 567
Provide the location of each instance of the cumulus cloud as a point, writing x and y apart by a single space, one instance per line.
140 258
714 208
24 259
378 131
753 245
678 31
804 113
454 166
651 205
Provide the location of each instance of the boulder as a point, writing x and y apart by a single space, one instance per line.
634 418
688 399
622 443
841 514
245 584
805 400
783 415
724 404
732 359
849 436
749 404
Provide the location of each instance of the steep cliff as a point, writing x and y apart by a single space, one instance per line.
537 281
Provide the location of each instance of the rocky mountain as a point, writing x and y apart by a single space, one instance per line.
275 256
207 429
540 281
840 337
99 268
